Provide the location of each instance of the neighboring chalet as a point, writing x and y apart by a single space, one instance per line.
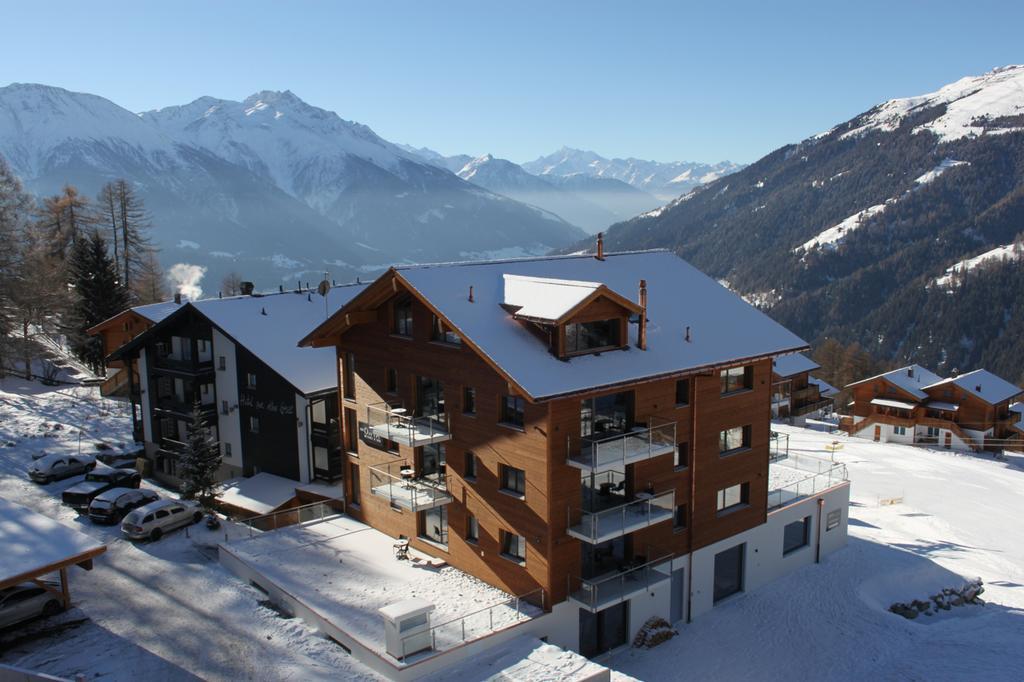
119 330
597 427
272 406
795 393
914 405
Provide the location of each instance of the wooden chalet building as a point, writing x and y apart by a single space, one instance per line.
795 393
119 330
597 427
272 406
914 405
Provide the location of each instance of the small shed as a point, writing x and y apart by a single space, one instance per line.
407 626
34 546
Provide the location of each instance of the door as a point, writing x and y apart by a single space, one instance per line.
949 440
604 630
678 595
878 432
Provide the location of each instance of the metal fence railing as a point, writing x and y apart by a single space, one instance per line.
618 450
395 424
596 594
477 624
829 475
624 518
316 511
403 487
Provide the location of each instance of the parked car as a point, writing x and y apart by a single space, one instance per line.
97 481
55 467
117 459
156 518
112 505
26 601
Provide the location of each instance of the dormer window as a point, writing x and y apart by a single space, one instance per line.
588 337
443 333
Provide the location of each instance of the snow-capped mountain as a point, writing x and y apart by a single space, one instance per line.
271 186
572 203
666 181
452 163
893 229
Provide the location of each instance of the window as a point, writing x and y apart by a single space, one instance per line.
731 440
250 380
590 336
513 480
472 529
353 468
434 525
222 363
513 546
391 380
682 455
227 449
254 424
833 519
682 392
401 321
733 497
349 381
796 535
469 468
679 518
224 407
737 379
469 400
441 332
512 410
933 431
351 431
728 572
899 430
202 345
204 389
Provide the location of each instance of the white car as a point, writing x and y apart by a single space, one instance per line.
151 521
25 601
55 467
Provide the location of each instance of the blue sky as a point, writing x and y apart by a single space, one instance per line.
657 80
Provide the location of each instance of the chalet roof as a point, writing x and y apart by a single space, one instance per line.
825 389
793 364
269 325
985 385
259 494
888 402
545 298
35 544
156 312
913 379
723 327
940 405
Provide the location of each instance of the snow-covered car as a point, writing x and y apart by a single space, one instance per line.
117 459
97 481
55 467
111 506
26 601
156 518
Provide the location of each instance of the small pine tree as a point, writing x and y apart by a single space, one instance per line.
97 296
199 461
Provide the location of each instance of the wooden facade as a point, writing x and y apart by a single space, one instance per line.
376 365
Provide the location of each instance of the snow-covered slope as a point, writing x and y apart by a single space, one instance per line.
1009 252
665 181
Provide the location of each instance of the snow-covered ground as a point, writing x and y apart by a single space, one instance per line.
960 516
1009 252
152 611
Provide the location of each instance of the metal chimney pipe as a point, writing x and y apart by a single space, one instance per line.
641 332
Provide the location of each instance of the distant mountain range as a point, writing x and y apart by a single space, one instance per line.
279 190
900 229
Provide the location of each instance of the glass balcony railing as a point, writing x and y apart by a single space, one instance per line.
393 423
615 452
607 524
404 488
600 593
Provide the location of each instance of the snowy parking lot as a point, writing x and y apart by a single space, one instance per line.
920 521
156 611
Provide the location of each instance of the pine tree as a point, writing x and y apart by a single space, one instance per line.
64 218
135 223
15 207
199 461
96 296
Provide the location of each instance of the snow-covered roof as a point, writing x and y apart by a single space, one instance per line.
32 542
155 312
260 494
825 389
525 659
406 608
887 402
913 379
270 326
940 405
1019 409
985 385
723 327
545 298
792 364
